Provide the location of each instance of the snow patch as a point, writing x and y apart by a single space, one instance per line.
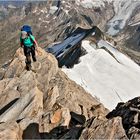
101 75
66 11
53 9
11 6
134 24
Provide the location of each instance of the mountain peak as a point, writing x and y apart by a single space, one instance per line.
33 96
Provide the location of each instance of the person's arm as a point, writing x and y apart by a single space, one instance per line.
37 47
34 40
21 43
36 43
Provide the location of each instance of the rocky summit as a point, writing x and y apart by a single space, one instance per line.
45 104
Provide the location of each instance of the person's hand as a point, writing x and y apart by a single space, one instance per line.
36 48
38 52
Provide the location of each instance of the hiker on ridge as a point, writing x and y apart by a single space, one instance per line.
28 43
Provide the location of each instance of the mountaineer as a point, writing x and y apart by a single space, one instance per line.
29 45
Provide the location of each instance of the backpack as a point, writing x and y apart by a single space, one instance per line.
27 28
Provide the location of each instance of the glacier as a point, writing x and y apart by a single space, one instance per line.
110 77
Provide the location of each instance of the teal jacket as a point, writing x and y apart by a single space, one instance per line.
29 41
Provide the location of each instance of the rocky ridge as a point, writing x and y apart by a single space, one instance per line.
44 104
43 97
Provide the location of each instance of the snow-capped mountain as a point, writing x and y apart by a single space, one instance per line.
123 25
124 11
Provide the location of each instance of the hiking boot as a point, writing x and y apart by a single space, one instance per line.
28 67
34 59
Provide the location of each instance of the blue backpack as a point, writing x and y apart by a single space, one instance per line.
27 28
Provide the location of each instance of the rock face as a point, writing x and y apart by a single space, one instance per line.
44 104
10 130
35 102
105 129
130 114
122 123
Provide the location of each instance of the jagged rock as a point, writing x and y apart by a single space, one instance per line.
23 123
27 106
134 133
51 120
130 114
73 133
35 108
77 119
17 66
46 104
7 99
3 84
53 94
10 130
69 93
105 129
56 117
41 100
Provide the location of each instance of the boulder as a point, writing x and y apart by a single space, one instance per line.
10 130
130 114
105 129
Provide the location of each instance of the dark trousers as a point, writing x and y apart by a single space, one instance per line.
28 51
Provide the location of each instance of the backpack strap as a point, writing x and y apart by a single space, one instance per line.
31 39
22 41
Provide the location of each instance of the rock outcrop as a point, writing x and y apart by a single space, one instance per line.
43 102
122 123
105 129
130 114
